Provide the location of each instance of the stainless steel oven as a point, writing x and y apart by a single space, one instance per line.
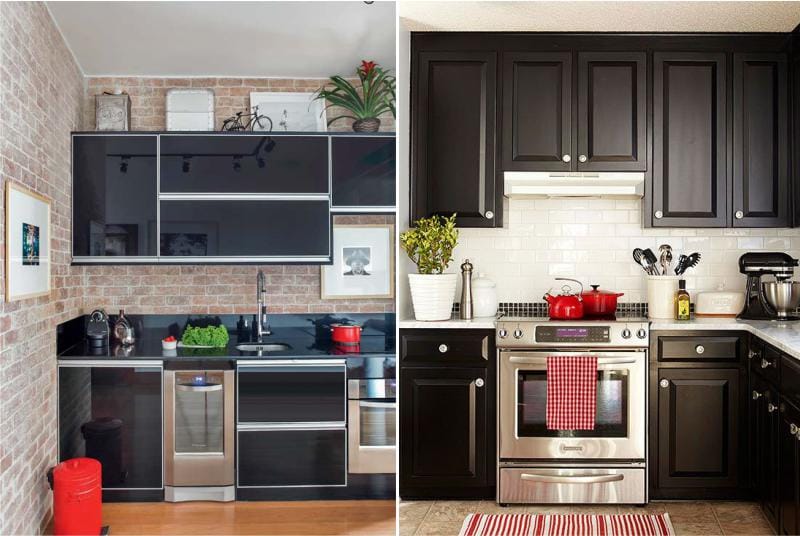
619 432
371 426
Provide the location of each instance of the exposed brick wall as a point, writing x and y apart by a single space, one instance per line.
231 95
41 95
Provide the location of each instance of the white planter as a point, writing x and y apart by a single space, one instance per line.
432 295
661 290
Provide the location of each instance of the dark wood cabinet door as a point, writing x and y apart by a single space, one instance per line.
789 469
443 428
698 428
612 111
537 111
764 417
689 140
760 141
453 138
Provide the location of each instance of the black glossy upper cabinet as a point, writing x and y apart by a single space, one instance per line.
760 141
363 172
689 140
225 163
453 137
114 195
537 111
612 111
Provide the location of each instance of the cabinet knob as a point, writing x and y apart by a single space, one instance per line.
739 214
443 348
751 354
566 158
793 429
757 395
658 214
700 349
771 407
479 382
664 383
582 158
489 214
765 363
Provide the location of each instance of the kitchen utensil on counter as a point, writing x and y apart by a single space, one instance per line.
484 297
598 302
567 305
718 303
97 329
689 262
322 326
661 290
665 258
346 333
123 329
465 306
783 297
755 266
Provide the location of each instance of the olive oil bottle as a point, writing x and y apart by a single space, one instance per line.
682 302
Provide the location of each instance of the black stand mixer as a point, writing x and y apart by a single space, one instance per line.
770 300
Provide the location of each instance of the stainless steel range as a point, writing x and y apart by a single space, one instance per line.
604 465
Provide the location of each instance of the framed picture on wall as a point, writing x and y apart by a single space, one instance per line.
27 243
363 263
291 112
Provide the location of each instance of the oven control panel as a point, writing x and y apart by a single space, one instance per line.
579 334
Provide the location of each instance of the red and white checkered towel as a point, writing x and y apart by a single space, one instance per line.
571 392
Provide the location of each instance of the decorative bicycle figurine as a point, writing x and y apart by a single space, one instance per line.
247 121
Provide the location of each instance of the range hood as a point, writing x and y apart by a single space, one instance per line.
537 184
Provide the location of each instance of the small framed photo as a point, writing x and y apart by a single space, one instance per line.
291 112
27 243
363 263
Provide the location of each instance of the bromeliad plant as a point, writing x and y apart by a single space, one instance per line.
364 104
430 244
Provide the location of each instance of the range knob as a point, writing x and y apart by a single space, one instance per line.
642 333
517 333
502 333
626 333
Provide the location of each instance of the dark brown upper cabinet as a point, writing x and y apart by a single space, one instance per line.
689 140
760 141
453 138
537 111
612 111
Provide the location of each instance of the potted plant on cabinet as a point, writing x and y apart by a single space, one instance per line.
430 246
375 96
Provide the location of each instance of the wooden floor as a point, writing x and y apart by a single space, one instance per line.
219 519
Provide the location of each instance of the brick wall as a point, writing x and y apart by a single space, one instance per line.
211 289
41 94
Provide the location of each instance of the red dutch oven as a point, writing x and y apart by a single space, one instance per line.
567 305
599 302
345 333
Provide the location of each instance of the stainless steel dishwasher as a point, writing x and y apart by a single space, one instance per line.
199 433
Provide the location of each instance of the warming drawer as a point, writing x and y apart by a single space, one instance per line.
538 485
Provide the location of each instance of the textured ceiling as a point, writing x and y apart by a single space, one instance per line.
220 38
666 16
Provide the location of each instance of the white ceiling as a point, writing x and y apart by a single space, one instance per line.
251 39
665 16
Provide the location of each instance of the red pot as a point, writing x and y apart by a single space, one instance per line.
600 302
345 333
567 305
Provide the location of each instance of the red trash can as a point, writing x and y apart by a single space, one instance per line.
77 497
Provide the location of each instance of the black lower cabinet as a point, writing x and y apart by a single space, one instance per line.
114 414
447 423
789 469
764 428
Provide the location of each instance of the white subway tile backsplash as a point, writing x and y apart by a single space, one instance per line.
592 240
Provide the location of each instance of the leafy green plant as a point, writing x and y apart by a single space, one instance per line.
216 336
430 243
375 96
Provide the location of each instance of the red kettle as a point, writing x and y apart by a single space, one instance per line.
567 305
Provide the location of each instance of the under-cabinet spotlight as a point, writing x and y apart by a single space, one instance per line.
237 163
123 164
187 165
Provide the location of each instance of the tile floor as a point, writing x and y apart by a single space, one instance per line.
688 518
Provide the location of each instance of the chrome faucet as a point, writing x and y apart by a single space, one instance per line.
262 326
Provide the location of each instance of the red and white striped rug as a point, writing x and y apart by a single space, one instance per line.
567 525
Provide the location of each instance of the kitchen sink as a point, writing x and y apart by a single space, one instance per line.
263 347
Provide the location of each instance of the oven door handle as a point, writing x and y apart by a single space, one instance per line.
377 404
543 360
574 479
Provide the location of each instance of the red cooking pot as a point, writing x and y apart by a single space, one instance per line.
345 333
567 305
600 302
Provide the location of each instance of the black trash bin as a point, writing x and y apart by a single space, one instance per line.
104 443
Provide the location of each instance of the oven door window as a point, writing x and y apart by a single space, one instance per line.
611 418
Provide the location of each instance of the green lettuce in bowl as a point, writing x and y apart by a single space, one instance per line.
213 336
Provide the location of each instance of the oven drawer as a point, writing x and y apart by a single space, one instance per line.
693 348
442 346
536 485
